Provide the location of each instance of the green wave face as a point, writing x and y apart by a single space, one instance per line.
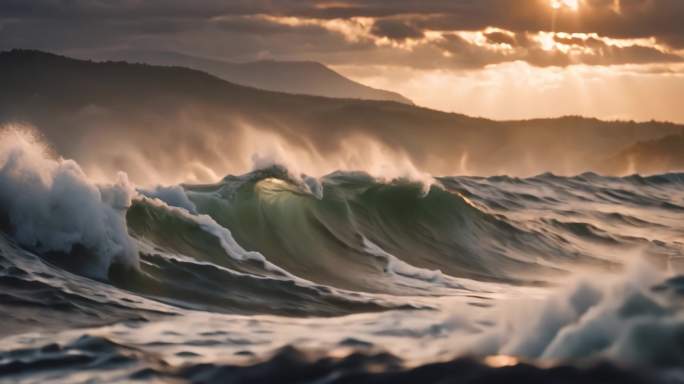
353 236
271 243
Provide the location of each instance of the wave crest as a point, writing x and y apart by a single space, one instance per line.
51 206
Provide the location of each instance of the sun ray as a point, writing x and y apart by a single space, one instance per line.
567 4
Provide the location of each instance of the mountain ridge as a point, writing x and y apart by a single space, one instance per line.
188 125
295 77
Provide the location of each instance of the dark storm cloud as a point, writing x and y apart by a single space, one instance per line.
262 27
395 29
246 29
674 41
501 38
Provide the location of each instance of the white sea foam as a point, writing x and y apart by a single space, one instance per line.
620 318
401 269
173 196
52 206
225 237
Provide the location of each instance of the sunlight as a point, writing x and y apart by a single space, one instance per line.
570 4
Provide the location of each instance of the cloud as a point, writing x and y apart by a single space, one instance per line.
395 29
501 38
400 32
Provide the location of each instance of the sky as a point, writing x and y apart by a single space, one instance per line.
502 59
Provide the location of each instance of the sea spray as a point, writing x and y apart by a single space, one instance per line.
52 206
628 318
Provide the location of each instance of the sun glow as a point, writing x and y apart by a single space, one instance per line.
570 4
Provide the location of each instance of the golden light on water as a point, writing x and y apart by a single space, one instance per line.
499 361
569 4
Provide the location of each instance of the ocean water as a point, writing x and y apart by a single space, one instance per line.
275 277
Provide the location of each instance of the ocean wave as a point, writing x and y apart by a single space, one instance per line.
636 319
51 206
396 262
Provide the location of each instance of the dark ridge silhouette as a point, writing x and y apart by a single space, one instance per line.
297 77
652 156
175 121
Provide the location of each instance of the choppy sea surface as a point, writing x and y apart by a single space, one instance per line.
275 277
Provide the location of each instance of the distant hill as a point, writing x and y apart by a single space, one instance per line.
298 77
183 124
652 156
